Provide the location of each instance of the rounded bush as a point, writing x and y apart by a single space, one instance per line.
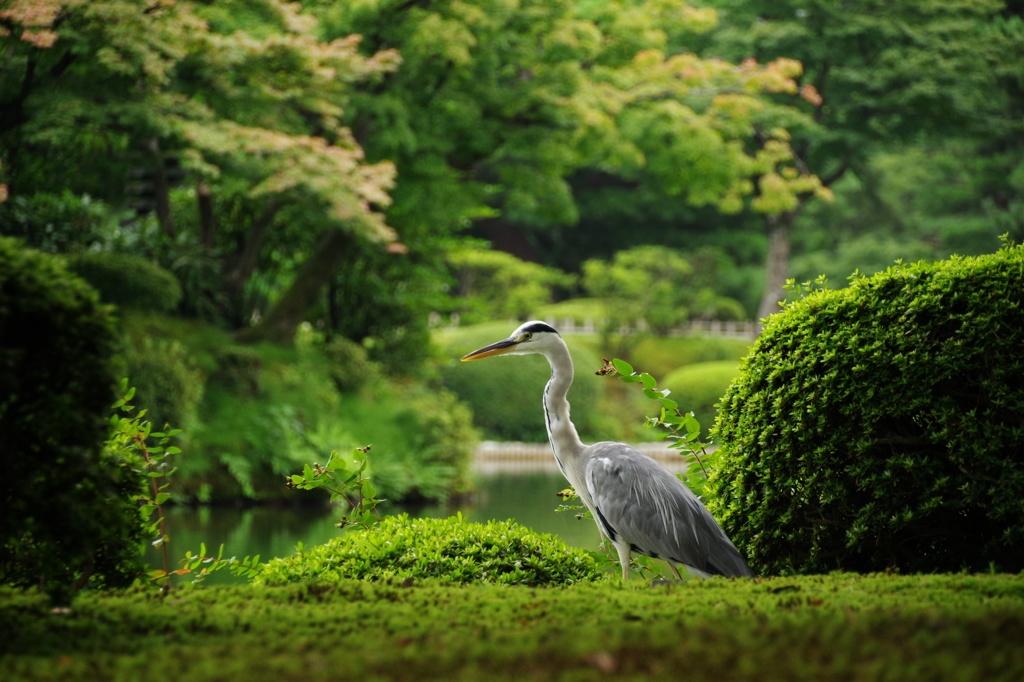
504 393
128 281
450 550
350 368
879 426
65 510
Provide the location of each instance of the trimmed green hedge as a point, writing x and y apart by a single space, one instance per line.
128 281
66 509
881 425
450 550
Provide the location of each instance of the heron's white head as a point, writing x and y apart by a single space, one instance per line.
531 337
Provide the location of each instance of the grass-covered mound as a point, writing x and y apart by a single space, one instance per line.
880 425
451 550
836 627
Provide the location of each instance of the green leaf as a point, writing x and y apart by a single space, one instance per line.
622 367
368 489
647 380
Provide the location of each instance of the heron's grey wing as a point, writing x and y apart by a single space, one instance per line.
638 500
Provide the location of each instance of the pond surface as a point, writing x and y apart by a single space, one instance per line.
528 498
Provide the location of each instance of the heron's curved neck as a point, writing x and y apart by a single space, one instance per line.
564 440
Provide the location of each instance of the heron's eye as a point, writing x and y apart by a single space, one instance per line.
527 336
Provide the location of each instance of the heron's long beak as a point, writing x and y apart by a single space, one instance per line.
493 349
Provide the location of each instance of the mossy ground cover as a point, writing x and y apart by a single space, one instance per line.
836 627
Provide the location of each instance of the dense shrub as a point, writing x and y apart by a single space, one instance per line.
350 368
497 285
56 223
128 281
266 411
423 440
504 393
238 370
450 550
880 425
699 387
65 512
167 385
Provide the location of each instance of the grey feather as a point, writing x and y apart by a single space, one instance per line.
644 508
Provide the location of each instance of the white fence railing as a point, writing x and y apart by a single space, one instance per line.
740 329
746 329
499 458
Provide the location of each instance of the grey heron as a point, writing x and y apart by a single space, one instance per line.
638 505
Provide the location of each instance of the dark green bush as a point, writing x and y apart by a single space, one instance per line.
65 509
504 393
128 281
438 445
450 550
880 425
167 385
350 368
238 370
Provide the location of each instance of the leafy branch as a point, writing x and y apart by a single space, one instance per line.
682 429
346 483
201 565
132 438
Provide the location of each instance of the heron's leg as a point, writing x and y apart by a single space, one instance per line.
675 570
624 554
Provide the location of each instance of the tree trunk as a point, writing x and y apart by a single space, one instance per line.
239 268
777 263
207 218
280 323
161 189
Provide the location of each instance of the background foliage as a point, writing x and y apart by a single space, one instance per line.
347 165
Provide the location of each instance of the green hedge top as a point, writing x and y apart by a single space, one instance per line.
449 550
128 281
881 425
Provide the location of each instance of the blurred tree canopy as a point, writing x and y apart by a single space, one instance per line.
322 162
879 76
272 148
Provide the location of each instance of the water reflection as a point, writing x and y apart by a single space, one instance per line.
528 498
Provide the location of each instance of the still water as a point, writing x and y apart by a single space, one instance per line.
528 498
